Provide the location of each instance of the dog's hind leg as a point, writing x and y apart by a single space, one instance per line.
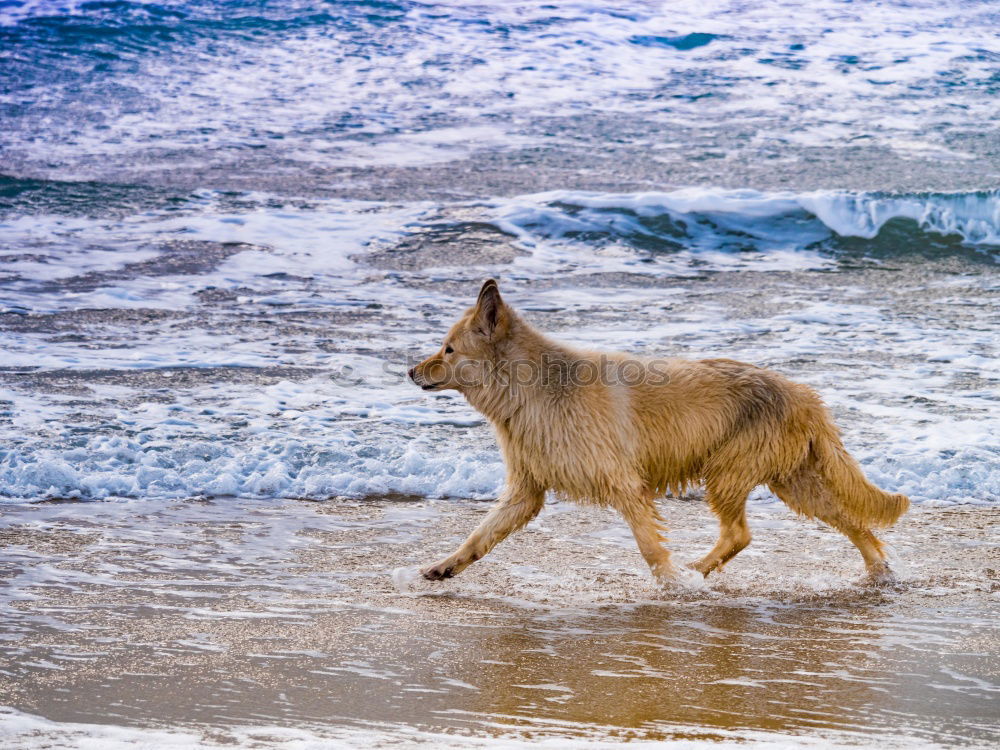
872 550
519 503
806 493
647 527
734 534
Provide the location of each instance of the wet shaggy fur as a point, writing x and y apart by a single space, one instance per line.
620 431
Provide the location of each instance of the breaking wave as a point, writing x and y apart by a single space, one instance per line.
749 220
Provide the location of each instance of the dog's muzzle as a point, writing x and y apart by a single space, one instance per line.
425 386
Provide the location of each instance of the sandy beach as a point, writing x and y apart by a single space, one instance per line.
284 618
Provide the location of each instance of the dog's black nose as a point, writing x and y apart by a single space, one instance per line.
411 371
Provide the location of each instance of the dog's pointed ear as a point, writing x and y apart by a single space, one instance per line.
490 311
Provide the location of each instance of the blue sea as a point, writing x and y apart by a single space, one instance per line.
227 229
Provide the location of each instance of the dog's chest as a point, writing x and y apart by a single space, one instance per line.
581 461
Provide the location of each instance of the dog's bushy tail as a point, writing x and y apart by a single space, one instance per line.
859 499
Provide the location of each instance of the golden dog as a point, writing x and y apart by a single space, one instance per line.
620 431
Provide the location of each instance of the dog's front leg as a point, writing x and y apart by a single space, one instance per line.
647 527
519 503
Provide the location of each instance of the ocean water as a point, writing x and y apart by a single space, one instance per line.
227 229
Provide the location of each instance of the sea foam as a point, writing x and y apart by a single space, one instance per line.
350 424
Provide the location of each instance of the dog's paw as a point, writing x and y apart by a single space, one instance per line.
698 566
881 575
670 578
438 571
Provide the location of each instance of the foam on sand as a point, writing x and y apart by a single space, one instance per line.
25 730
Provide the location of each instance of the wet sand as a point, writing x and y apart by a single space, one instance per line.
232 620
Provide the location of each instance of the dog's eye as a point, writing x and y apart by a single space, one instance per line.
448 350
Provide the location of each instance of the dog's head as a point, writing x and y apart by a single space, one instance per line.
470 349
